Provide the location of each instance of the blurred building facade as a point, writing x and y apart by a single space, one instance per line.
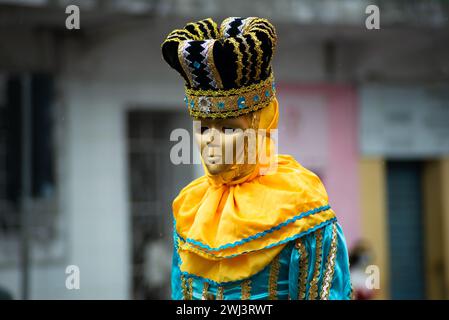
86 117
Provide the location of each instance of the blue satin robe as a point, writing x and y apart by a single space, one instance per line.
314 266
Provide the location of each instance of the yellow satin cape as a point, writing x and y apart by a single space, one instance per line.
230 230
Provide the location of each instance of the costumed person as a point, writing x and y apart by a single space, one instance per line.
247 229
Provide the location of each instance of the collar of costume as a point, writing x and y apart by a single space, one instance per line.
229 230
242 227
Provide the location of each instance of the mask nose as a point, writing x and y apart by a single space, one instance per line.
212 136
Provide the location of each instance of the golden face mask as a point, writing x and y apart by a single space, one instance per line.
228 146
247 136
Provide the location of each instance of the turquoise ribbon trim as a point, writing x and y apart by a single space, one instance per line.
257 235
299 235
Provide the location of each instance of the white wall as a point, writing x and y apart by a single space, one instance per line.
97 83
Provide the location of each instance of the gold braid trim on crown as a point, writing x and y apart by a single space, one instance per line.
231 102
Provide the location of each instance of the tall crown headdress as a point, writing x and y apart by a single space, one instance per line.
227 70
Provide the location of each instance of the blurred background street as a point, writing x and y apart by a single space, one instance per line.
86 116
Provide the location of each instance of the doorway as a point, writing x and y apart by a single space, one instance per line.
405 229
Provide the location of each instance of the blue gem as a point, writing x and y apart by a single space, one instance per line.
221 104
267 93
192 103
196 65
186 101
241 102
256 98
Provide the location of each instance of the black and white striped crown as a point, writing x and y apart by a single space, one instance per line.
231 61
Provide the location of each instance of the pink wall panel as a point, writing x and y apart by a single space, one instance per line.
318 126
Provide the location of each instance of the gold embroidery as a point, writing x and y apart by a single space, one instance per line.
313 291
330 265
204 24
184 288
252 100
273 279
273 41
214 31
233 102
174 40
303 268
266 27
205 295
263 30
257 45
220 293
239 60
187 32
187 35
187 287
246 289
229 92
248 67
264 24
227 114
197 29
179 35
190 290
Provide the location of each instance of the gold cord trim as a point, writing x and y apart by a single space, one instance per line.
248 67
214 31
313 291
273 279
197 29
187 288
190 283
204 24
205 295
187 32
174 40
227 114
234 104
257 45
220 293
175 36
229 92
303 267
246 289
264 24
330 265
273 40
238 61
